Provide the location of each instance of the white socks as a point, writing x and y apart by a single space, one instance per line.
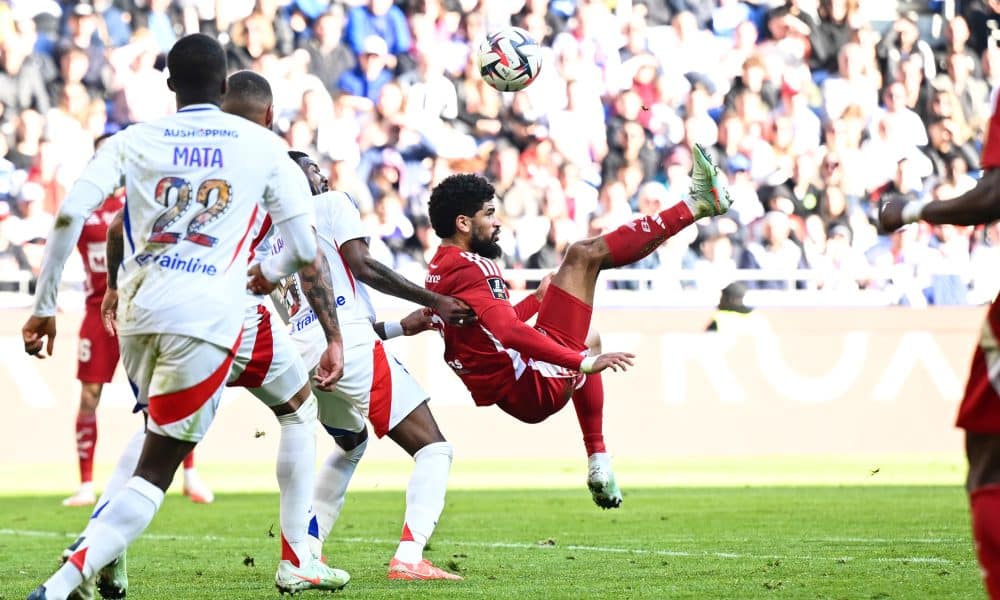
109 533
331 488
424 499
124 468
296 471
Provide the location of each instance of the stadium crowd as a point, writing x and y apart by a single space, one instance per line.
815 110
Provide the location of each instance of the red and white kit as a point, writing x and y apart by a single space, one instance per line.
375 385
98 351
530 384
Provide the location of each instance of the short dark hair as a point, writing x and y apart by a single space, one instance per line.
250 86
297 155
460 194
197 63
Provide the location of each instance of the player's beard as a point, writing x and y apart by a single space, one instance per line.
485 247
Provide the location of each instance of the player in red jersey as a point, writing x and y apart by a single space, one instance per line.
98 354
531 373
979 413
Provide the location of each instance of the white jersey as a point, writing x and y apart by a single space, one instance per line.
262 234
195 182
338 221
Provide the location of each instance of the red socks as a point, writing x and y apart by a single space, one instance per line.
638 239
189 460
985 503
86 441
589 404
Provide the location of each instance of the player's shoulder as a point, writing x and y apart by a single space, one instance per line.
335 200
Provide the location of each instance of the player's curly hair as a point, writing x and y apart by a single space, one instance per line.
460 194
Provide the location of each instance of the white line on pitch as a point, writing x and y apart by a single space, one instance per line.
519 546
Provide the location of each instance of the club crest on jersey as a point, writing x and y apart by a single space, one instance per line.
498 287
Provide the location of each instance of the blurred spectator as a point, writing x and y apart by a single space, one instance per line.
371 74
815 110
381 19
328 57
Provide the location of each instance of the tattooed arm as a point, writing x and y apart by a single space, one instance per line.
380 277
317 287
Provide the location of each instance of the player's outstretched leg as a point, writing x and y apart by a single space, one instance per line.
331 485
419 435
588 401
194 487
86 443
298 569
983 451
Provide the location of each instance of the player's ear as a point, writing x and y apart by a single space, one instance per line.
269 116
170 84
463 223
223 87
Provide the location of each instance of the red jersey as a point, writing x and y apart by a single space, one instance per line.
93 249
492 354
980 409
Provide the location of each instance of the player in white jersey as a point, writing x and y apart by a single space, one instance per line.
375 384
268 365
194 183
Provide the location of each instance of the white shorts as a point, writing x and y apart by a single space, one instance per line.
267 363
180 378
375 385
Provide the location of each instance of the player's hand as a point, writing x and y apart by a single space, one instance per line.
417 321
616 361
109 311
890 215
257 283
34 333
543 286
454 311
331 366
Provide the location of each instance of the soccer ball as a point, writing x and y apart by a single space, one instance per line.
509 59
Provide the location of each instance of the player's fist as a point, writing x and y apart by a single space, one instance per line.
257 283
417 321
109 311
890 215
34 333
454 311
616 361
331 366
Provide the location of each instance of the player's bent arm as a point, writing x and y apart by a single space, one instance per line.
502 322
115 248
979 205
372 273
299 250
82 200
317 287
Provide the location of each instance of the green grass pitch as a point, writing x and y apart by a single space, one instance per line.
776 541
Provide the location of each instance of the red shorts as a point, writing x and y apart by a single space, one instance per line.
980 408
543 389
98 352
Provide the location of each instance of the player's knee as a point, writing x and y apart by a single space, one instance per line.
304 414
350 441
983 451
443 449
90 397
584 253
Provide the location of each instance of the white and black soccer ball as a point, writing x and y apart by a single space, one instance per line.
509 59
